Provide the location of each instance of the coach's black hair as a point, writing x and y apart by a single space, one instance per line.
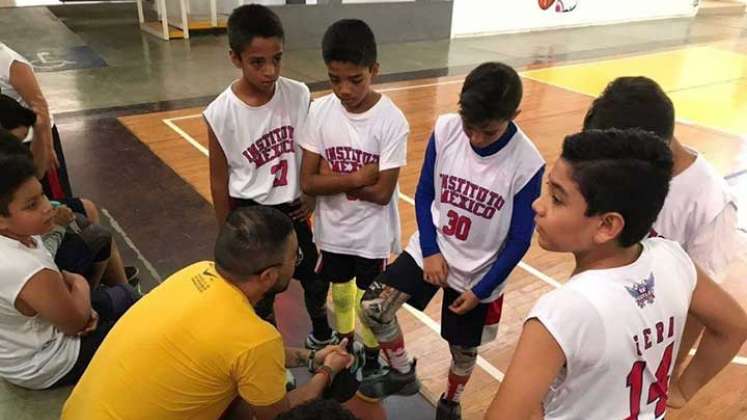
14 115
250 21
16 167
633 102
349 41
491 92
318 409
253 238
624 171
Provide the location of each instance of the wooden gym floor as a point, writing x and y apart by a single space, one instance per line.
708 84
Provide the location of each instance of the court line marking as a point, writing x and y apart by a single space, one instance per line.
187 137
116 226
428 321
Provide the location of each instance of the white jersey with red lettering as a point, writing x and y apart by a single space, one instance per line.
259 142
344 225
474 201
700 213
620 330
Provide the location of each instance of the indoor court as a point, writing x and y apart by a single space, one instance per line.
555 101
147 136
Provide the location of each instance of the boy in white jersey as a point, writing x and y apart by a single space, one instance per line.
252 127
602 346
473 206
354 145
700 211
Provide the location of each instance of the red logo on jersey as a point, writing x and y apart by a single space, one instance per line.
345 159
466 195
270 146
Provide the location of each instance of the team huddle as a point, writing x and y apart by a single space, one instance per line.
650 224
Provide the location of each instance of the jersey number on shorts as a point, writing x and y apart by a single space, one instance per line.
281 173
458 226
656 392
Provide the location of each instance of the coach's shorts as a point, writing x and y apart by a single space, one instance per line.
461 330
341 268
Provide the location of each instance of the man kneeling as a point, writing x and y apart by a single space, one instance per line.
194 344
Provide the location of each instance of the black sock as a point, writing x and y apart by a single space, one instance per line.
320 328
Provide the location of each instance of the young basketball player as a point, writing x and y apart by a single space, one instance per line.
252 127
354 146
602 345
700 211
473 205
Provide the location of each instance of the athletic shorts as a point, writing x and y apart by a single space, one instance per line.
466 330
341 268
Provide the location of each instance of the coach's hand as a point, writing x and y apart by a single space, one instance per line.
338 359
435 270
322 354
464 303
306 206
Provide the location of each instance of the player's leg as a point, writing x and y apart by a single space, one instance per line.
464 334
314 289
366 271
401 282
337 269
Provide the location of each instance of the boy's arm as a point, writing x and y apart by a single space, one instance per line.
24 81
63 301
725 330
517 243
314 183
381 192
435 268
715 244
218 177
392 157
535 364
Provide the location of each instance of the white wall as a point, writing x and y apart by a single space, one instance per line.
479 17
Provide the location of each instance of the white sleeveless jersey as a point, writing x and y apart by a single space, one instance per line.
474 200
259 142
620 330
700 214
342 224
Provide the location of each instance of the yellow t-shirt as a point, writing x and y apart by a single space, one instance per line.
184 351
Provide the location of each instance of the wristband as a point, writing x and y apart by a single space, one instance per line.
325 370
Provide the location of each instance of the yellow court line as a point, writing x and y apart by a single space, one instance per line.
680 120
625 57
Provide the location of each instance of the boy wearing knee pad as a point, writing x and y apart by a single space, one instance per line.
354 146
475 222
